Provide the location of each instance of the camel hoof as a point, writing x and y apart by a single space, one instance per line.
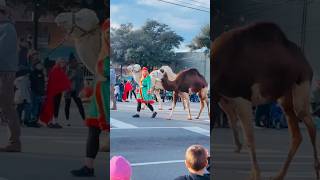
170 109
160 109
197 117
189 118
255 176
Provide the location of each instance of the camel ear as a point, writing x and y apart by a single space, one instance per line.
161 70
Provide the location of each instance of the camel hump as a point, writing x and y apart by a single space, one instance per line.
263 32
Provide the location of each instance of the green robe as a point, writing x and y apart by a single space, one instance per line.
145 86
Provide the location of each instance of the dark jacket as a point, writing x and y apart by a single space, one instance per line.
194 177
37 82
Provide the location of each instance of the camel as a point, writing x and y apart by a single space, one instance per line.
256 64
187 81
156 76
83 27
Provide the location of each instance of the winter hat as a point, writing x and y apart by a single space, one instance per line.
144 69
120 168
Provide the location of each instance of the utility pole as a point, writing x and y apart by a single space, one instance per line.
36 16
304 24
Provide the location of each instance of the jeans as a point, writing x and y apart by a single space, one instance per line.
37 101
24 112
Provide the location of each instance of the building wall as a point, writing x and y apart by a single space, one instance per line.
198 60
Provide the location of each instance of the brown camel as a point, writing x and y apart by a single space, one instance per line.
186 81
257 64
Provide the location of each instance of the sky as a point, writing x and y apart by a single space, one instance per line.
184 21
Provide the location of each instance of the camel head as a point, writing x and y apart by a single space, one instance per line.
78 23
170 74
166 69
134 68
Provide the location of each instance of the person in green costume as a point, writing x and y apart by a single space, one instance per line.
144 94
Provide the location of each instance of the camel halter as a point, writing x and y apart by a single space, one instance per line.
75 26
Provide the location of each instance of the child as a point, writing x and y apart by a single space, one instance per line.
120 168
22 96
196 162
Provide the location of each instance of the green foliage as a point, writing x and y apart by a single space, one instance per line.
201 40
151 45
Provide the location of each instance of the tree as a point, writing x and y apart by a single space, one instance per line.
151 45
202 40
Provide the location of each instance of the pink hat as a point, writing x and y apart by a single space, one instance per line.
120 168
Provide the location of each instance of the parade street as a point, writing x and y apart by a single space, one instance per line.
156 147
50 154
272 148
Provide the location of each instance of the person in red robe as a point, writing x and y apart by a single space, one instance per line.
127 88
58 82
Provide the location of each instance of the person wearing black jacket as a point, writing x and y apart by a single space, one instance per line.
37 80
197 161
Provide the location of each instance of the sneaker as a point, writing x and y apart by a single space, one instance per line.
83 172
54 126
136 116
154 115
34 125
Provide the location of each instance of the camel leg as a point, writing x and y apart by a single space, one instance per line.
207 103
244 111
296 138
232 117
184 101
202 101
201 108
187 101
157 93
301 103
175 98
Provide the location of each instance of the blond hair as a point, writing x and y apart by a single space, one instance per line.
196 157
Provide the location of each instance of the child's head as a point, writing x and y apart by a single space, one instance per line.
196 158
120 168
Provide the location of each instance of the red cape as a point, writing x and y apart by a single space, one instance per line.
127 88
58 82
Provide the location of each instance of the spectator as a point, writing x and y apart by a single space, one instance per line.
121 86
120 168
22 96
58 82
23 54
75 75
8 67
112 87
127 89
196 162
132 92
117 92
37 79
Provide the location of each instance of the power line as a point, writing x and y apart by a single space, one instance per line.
181 5
197 1
193 4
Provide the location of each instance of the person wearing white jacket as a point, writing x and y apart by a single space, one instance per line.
22 96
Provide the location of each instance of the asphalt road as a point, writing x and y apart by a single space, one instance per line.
156 147
49 154
272 148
